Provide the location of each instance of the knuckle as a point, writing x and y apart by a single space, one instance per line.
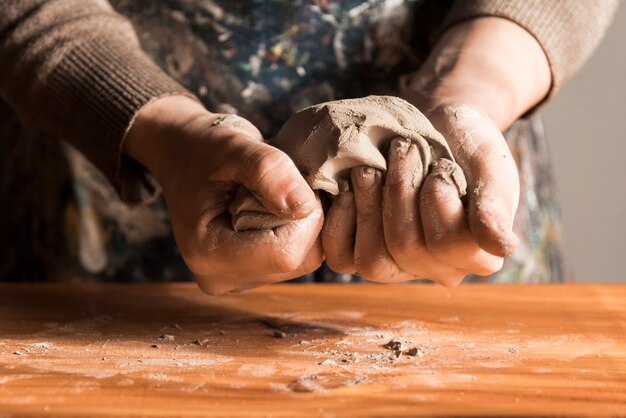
401 184
265 162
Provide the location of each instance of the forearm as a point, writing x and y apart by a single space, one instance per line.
490 64
567 30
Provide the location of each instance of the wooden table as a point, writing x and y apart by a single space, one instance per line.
301 350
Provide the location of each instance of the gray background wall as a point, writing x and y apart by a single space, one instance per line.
586 128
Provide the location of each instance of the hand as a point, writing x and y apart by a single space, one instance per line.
200 159
482 76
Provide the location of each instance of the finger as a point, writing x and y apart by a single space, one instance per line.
217 284
491 205
401 215
274 179
216 249
338 234
371 257
312 261
493 183
444 220
401 220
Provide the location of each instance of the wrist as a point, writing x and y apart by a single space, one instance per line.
490 64
156 131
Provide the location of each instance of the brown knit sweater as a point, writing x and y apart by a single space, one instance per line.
75 68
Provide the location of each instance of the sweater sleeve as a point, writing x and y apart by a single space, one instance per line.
567 30
74 68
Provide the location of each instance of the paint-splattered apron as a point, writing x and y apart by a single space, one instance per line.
263 60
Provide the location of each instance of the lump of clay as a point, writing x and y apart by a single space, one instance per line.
325 141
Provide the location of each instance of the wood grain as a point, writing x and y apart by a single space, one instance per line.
169 350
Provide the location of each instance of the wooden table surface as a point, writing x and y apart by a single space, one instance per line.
312 350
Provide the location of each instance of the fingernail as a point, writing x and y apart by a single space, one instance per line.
401 146
367 176
301 199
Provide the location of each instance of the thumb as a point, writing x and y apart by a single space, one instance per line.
493 182
274 179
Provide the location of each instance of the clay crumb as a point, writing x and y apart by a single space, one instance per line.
393 345
513 350
307 384
155 346
328 362
166 337
200 343
414 351
44 345
219 120
278 334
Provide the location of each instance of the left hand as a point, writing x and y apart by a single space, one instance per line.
482 76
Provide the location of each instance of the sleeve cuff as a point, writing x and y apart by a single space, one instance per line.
101 87
567 30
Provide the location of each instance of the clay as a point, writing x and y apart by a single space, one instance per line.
165 337
248 213
412 352
278 334
393 345
325 141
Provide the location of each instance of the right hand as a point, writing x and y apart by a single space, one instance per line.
200 159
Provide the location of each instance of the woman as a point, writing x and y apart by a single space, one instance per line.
75 70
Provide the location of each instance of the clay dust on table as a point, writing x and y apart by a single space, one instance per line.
284 353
